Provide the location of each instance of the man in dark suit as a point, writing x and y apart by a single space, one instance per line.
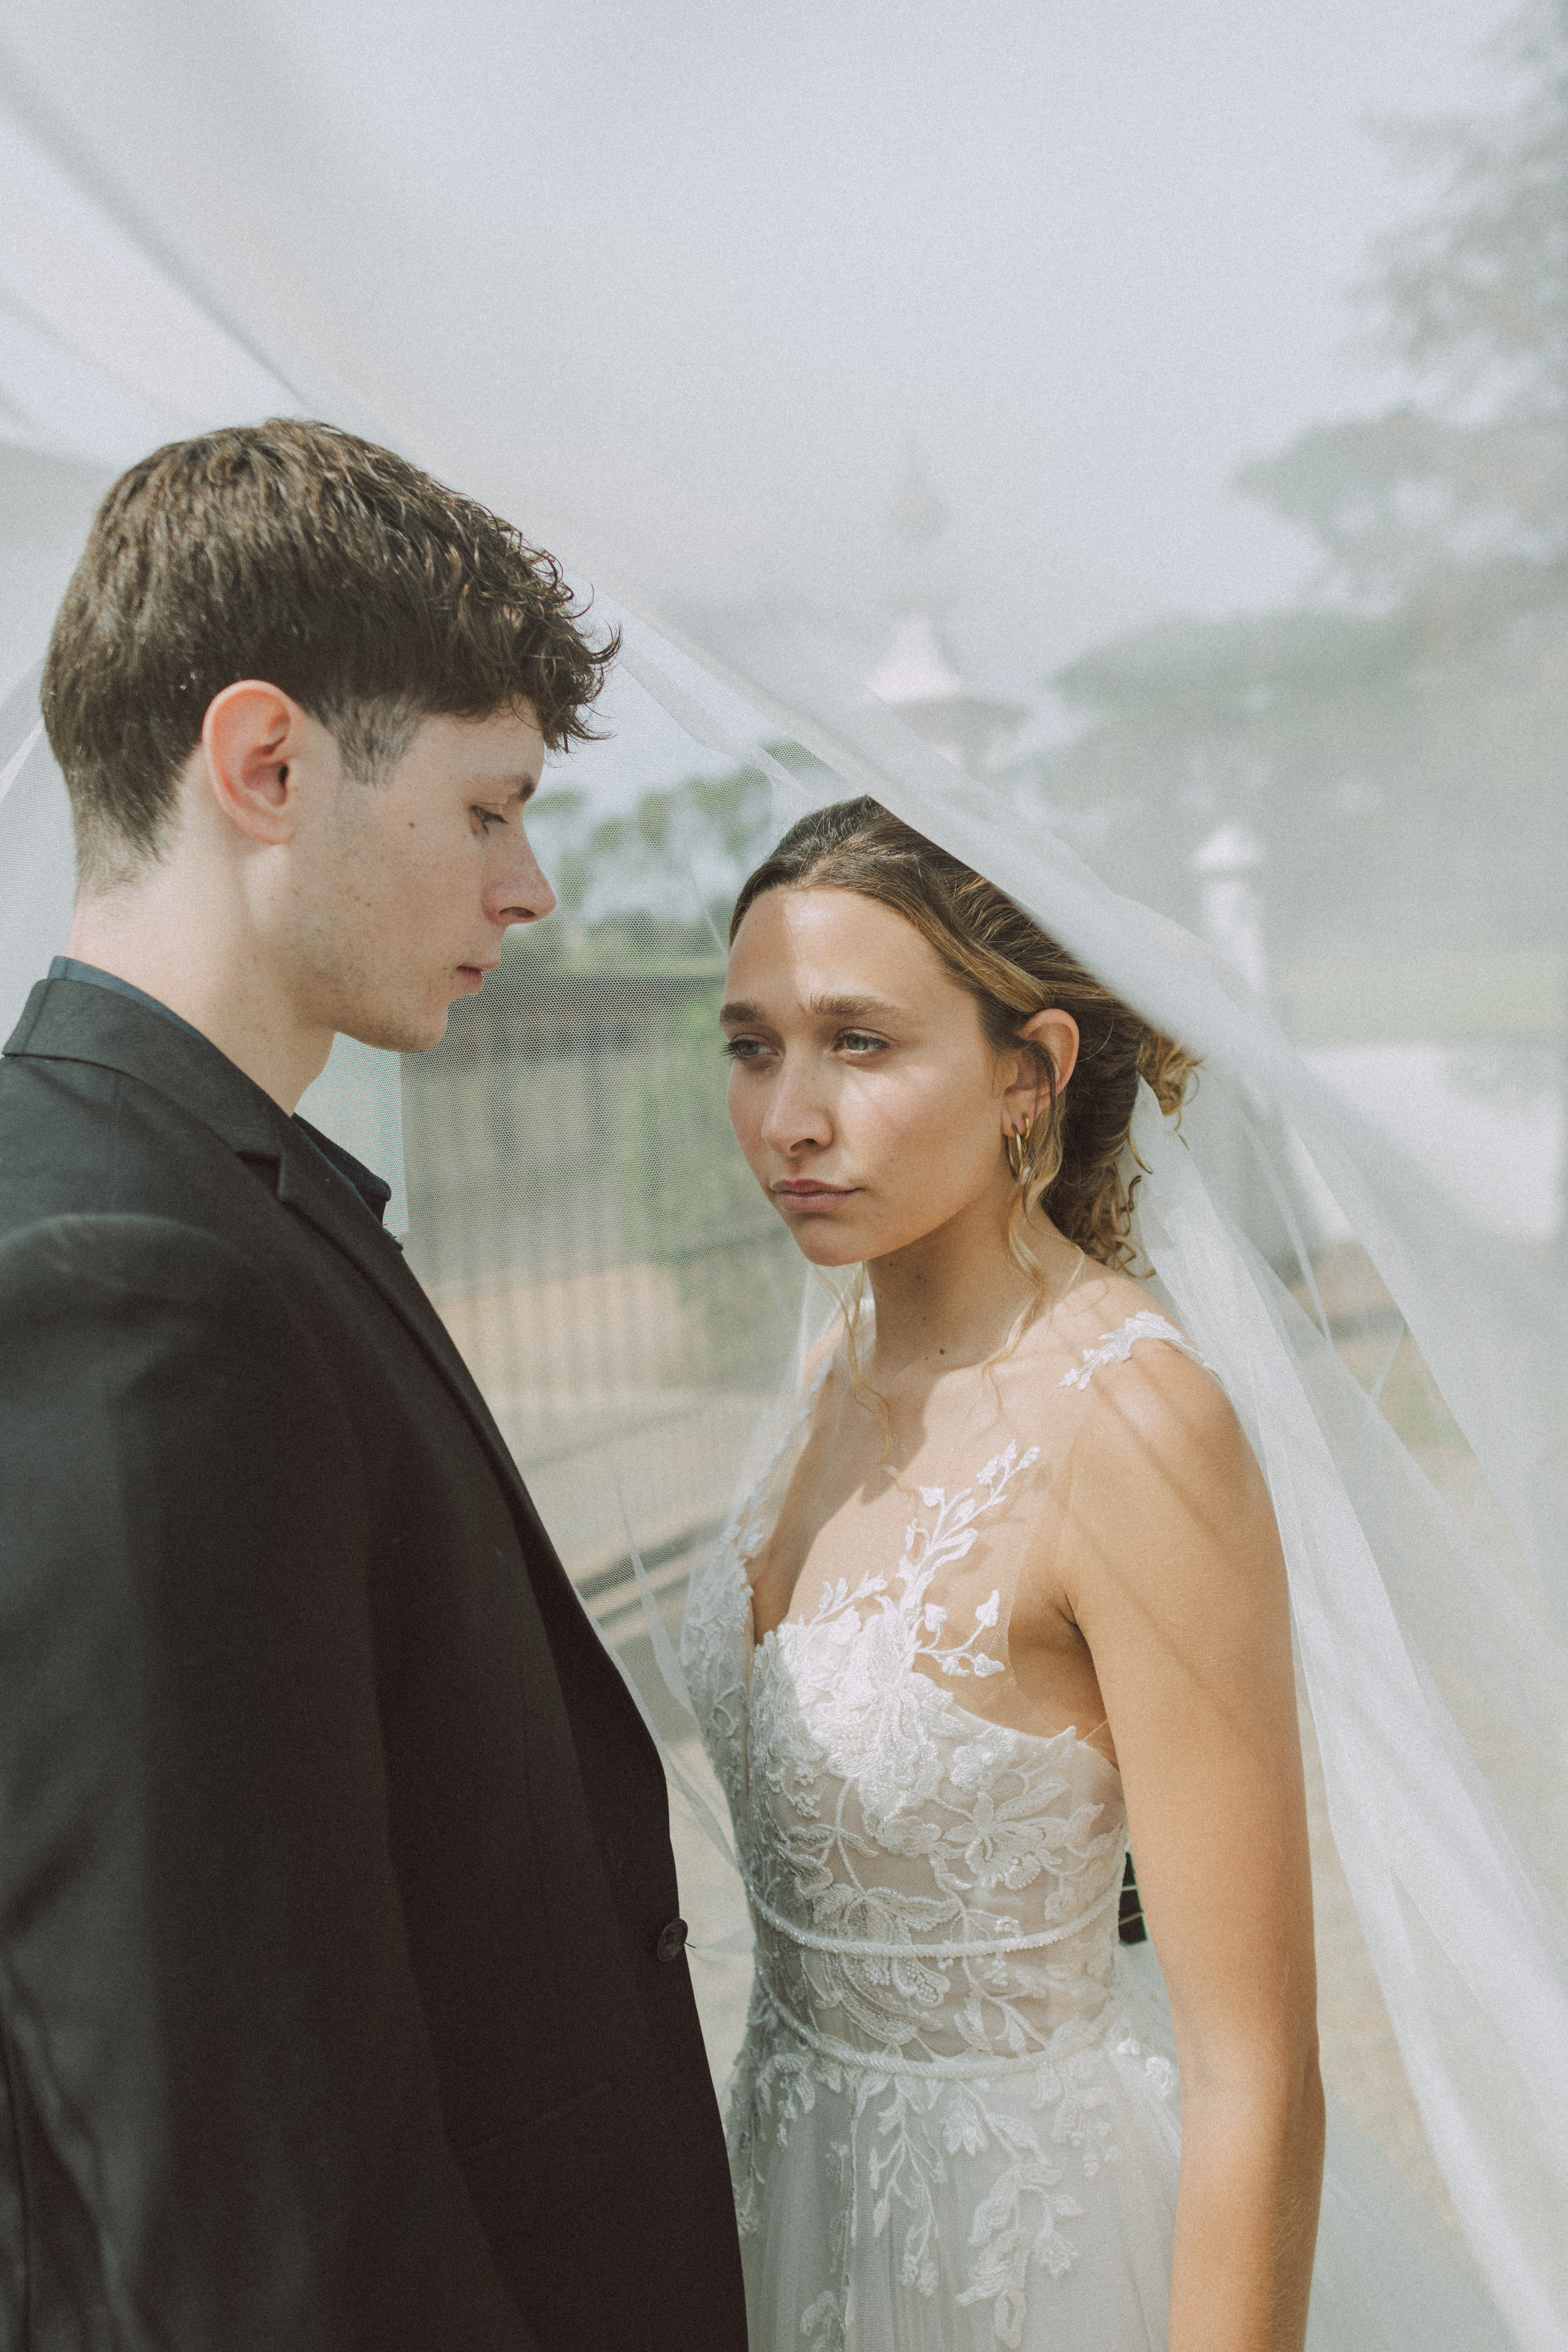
342 2001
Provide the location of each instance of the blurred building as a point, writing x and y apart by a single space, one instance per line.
917 675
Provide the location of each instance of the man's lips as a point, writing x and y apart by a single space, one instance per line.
474 973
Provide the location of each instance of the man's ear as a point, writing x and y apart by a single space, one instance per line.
253 736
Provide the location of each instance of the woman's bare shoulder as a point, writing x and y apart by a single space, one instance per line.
1103 1318
1159 1459
1100 1301
1152 1399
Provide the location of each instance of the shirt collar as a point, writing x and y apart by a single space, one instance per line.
67 968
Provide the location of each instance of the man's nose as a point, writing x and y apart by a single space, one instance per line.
520 893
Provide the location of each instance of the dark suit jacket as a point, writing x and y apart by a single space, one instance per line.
333 1854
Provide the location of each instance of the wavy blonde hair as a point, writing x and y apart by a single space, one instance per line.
1076 1160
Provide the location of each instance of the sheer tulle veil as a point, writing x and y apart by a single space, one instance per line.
1434 1680
1434 1669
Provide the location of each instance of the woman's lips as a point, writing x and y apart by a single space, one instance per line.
802 1199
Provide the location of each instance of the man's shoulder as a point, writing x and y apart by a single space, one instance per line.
109 1192
129 1317
74 1264
80 1137
36 1079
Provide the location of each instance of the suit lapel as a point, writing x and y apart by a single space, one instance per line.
72 1021
309 1187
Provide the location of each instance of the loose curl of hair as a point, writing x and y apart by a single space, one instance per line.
1077 1166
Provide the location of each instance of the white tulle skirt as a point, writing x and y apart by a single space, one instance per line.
1037 2211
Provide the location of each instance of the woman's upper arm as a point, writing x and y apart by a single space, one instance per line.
1169 1559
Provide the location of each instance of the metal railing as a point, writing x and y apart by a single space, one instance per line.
583 1220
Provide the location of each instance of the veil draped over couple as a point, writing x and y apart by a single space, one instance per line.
343 1998
1077 1582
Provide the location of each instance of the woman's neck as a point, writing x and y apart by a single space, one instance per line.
953 1298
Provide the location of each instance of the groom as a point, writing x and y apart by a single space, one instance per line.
342 2001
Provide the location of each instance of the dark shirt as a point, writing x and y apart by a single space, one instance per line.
372 1189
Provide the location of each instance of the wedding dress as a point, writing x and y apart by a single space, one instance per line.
955 2119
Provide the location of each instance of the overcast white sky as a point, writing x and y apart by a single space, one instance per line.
1090 256
684 282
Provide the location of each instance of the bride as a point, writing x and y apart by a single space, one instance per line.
1009 1593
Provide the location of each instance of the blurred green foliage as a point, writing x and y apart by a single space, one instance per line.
651 884
690 1202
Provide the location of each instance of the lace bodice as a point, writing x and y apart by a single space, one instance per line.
926 1884
934 1892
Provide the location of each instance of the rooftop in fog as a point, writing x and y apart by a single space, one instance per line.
915 668
917 675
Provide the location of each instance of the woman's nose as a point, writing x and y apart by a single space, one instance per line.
797 1112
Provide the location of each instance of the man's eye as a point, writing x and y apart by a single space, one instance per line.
744 1049
856 1041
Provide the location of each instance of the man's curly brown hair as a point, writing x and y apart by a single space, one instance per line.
290 551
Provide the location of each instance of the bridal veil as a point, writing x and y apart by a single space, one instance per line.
210 217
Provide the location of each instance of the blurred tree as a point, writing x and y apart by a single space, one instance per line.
1472 299
1398 743
654 883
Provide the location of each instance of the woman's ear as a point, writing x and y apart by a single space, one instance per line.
1056 1034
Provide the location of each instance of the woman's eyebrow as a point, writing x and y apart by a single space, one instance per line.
827 1008
852 1008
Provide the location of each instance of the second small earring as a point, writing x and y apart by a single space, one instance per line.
1018 1150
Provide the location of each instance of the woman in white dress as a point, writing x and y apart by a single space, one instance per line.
1011 1590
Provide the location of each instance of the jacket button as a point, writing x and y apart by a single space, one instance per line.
671 1941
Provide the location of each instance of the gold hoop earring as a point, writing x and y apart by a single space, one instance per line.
1018 1150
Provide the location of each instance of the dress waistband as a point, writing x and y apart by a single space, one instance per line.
849 1948
1071 2037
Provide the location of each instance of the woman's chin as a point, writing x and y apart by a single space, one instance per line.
816 1240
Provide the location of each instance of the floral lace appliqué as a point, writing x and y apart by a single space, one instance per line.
1117 1346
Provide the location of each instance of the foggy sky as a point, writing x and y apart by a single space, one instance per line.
1089 255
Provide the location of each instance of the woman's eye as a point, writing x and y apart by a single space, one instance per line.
487 817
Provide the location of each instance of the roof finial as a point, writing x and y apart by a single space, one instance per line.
917 675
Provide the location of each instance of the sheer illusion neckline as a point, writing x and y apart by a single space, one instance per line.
791 1631
759 1647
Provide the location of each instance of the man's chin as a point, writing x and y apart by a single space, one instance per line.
399 1033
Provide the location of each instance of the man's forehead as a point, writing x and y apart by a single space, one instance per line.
503 752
